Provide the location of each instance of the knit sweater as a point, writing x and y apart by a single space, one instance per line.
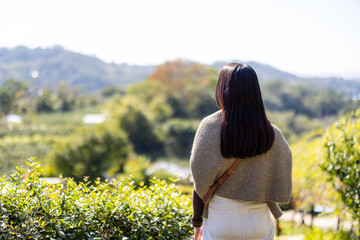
262 178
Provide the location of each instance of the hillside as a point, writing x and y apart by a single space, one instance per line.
90 73
57 64
265 73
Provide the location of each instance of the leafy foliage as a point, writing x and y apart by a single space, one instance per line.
179 136
188 87
158 114
140 131
44 102
309 187
342 160
304 99
89 152
136 168
20 97
11 94
31 208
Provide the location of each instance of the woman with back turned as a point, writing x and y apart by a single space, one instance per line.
240 207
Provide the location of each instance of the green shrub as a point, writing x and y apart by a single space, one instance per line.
179 136
136 167
31 208
342 160
140 131
90 151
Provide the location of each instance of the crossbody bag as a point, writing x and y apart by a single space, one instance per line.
222 179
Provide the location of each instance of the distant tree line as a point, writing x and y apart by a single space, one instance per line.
20 97
305 99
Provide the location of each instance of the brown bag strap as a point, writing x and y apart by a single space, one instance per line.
221 180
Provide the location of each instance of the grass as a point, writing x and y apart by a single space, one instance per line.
289 228
35 136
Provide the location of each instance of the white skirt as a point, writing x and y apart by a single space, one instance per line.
231 219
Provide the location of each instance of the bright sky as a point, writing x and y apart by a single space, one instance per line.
305 37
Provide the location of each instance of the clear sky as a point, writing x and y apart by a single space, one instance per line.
305 37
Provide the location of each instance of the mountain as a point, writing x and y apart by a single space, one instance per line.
264 72
350 88
57 64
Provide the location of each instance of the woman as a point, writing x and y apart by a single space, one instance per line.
241 206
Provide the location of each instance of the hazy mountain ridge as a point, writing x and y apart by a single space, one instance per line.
264 72
268 73
57 64
90 73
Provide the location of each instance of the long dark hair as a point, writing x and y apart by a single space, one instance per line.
245 131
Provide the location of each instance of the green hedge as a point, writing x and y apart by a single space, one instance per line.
31 208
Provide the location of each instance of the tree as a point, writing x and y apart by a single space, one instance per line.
90 152
342 160
140 131
309 187
303 99
179 136
10 93
112 90
188 87
150 97
45 103
65 99
6 101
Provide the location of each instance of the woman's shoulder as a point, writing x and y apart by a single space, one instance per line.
280 141
277 130
209 126
213 118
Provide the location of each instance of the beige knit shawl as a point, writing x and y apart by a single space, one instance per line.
263 178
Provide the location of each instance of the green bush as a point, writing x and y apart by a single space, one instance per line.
179 136
31 208
140 131
342 160
136 167
90 151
